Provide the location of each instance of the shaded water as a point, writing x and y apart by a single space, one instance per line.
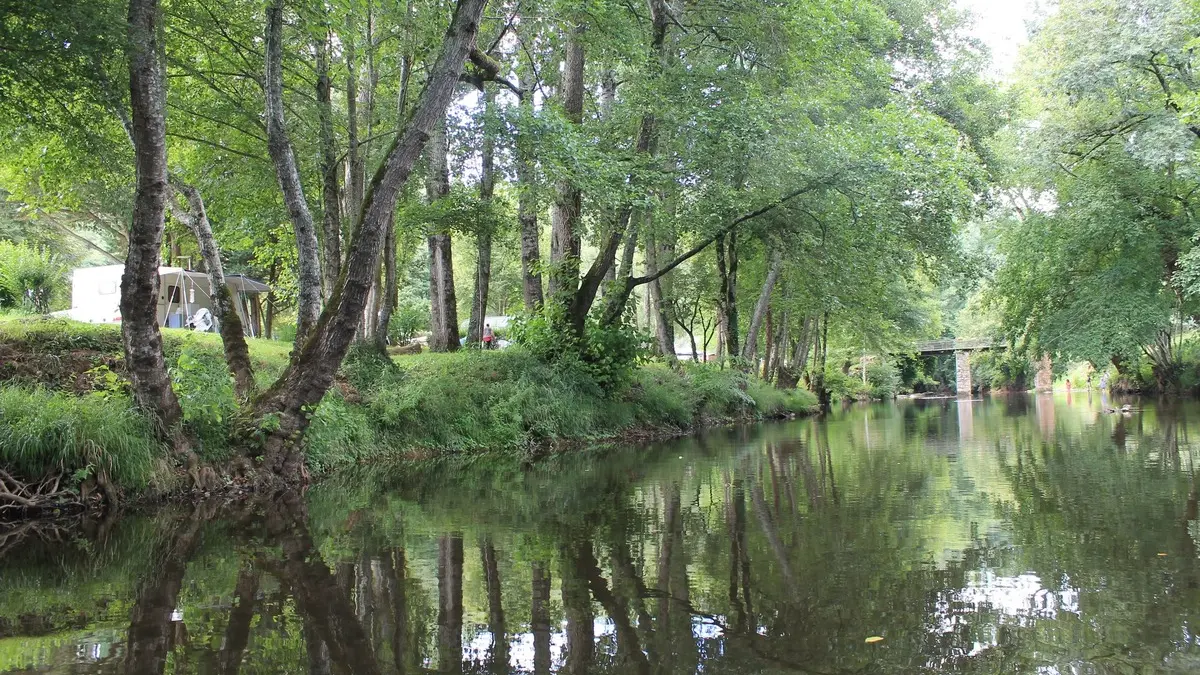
1024 535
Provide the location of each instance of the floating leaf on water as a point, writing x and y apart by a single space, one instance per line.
874 639
1162 555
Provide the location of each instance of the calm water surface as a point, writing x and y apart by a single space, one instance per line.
1024 535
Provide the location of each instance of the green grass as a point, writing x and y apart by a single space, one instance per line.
508 401
42 431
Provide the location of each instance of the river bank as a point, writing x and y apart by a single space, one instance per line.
66 413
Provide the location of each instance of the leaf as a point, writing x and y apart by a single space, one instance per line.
874 639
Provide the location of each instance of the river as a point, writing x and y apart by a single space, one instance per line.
1008 535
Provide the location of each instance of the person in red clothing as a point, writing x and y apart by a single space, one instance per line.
489 338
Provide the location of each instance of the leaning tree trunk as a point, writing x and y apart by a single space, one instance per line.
565 240
443 306
139 283
233 334
483 239
617 294
331 198
280 149
391 284
310 373
750 349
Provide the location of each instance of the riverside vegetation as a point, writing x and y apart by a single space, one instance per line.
65 408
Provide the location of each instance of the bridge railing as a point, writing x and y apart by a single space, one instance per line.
952 345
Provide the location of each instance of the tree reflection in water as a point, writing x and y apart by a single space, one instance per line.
1052 539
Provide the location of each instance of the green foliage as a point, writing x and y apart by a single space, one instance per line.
31 280
462 211
407 320
1096 234
883 380
205 390
606 355
43 431
1003 370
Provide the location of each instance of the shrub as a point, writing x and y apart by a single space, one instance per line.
883 380
205 390
409 319
606 354
30 279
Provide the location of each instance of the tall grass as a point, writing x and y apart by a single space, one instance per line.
46 431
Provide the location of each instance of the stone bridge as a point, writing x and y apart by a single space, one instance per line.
1044 381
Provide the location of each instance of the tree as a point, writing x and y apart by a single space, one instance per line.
1097 231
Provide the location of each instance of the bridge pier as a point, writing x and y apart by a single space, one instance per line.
962 372
1044 380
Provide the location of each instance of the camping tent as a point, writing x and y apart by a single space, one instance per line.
96 296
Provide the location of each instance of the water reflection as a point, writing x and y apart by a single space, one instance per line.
1012 535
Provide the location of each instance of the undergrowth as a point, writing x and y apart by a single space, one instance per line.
43 431
469 401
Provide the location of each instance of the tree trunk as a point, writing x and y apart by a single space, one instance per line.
355 169
391 283
768 343
233 333
663 329
779 355
139 283
443 305
750 349
822 351
331 198
310 373
483 240
565 240
585 296
727 259
286 170
366 97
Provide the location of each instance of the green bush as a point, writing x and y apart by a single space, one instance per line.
409 319
606 354
43 432
205 390
30 279
883 380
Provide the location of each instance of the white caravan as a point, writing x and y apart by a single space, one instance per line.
184 298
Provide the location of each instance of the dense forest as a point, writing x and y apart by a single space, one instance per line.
797 191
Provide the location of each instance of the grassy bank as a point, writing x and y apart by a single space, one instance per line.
65 405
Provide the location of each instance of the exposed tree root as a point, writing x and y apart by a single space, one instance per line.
21 500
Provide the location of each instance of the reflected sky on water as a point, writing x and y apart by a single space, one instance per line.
1008 535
